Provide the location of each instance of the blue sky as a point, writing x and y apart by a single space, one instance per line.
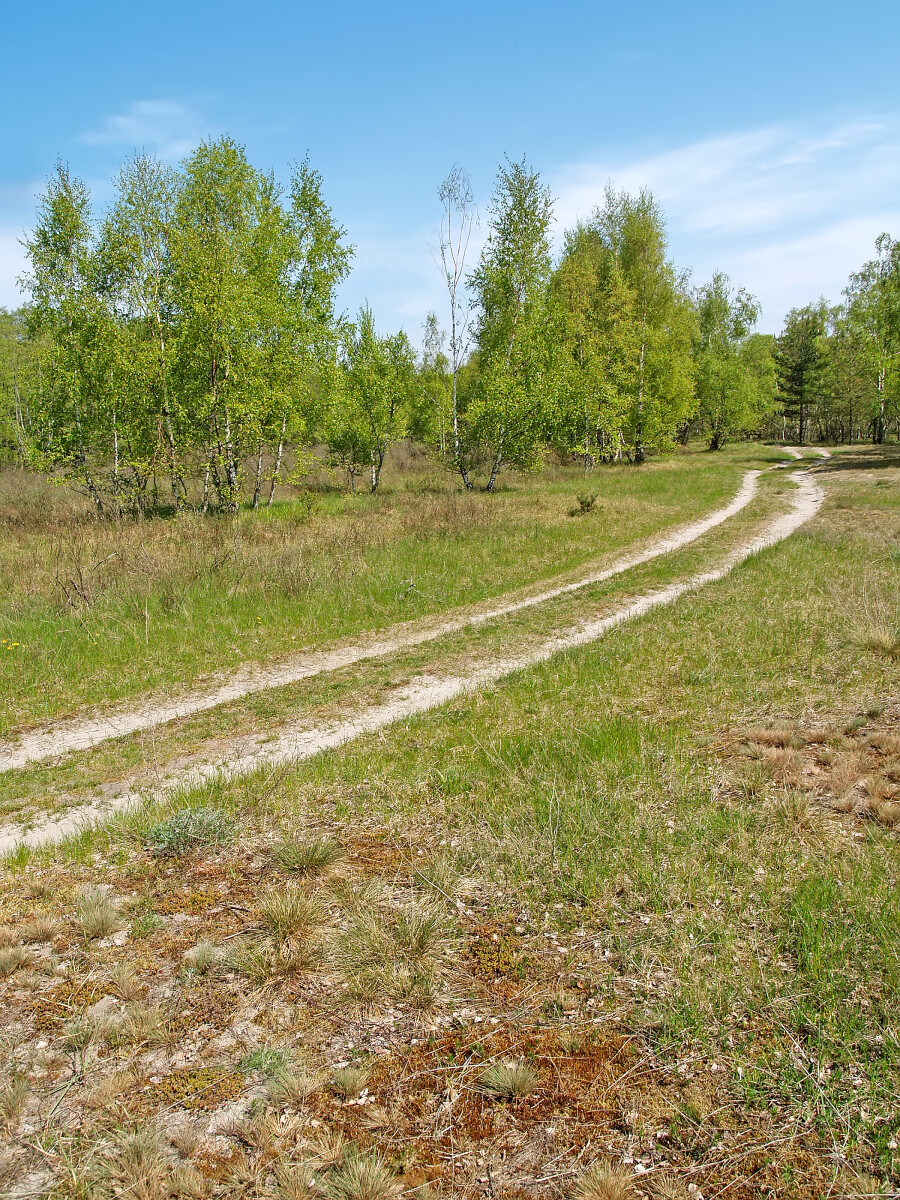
769 132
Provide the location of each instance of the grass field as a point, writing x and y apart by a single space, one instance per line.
93 613
627 923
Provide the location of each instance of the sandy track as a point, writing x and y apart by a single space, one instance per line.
48 742
297 741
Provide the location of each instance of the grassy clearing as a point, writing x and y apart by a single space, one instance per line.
626 924
143 760
94 613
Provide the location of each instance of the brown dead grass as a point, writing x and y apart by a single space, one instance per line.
850 765
597 1092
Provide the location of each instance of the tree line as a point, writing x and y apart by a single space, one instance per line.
184 349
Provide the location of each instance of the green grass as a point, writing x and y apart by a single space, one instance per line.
742 931
592 783
94 613
144 757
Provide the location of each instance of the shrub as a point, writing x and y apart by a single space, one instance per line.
586 502
189 829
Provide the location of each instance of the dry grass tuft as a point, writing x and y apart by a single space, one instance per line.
884 641
880 789
782 738
362 1177
203 957
785 766
669 1187
80 1033
605 1181
887 813
847 772
109 1091
349 1082
137 1165
97 915
124 983
397 954
294 1181
13 1098
292 1086
12 958
10 935
40 889
308 859
39 930
508 1081
138 1025
288 913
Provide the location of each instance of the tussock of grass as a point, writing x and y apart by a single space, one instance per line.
287 913
308 859
350 1081
96 915
605 1181
13 1098
290 1086
362 1177
508 1081
137 1164
203 957
137 1025
13 958
395 954
39 930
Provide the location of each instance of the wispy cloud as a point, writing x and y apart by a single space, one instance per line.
168 128
785 210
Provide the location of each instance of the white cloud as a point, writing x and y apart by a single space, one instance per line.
786 211
165 127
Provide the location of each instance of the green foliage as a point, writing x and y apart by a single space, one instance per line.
733 377
630 327
872 322
189 829
189 331
507 415
800 360
371 410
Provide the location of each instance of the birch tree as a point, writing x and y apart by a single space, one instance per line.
510 286
458 221
371 412
873 296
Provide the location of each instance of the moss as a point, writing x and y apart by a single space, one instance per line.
196 1088
494 952
191 902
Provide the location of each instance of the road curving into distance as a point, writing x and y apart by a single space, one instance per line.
299 741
